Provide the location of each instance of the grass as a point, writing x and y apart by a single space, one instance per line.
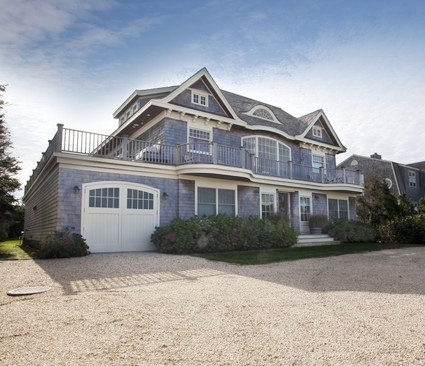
13 250
291 254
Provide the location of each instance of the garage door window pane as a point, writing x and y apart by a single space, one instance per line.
104 197
139 200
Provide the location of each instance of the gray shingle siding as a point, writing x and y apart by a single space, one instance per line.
186 198
295 210
248 201
185 99
320 204
70 203
42 208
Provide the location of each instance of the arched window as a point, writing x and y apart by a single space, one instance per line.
263 112
269 156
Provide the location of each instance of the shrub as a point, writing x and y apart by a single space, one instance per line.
222 233
180 236
350 231
405 230
63 244
317 221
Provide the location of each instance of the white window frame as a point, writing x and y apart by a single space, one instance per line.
338 199
317 132
269 138
223 185
197 98
315 169
270 192
412 178
209 131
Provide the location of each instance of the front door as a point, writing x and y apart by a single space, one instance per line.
305 211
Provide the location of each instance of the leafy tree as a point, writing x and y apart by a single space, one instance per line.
378 205
9 166
421 205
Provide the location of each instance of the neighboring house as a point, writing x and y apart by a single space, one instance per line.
191 149
402 179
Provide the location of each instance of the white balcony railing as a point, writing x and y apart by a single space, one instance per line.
104 146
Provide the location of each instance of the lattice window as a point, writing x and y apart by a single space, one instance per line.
104 197
139 200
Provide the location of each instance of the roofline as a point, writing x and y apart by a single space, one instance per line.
141 93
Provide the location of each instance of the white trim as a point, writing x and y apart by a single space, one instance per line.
395 178
320 113
201 73
200 94
269 138
318 153
268 191
216 184
261 106
205 128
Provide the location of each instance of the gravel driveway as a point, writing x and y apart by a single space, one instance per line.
153 309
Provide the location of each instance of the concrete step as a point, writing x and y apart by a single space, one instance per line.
315 240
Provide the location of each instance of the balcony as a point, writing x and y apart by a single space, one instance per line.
123 148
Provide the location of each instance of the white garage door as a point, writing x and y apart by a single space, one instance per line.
119 217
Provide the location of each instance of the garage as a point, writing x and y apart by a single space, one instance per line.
118 216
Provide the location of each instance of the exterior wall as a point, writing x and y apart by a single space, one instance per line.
185 99
248 201
319 204
155 134
69 208
402 174
175 132
371 168
352 205
325 135
41 209
186 198
295 210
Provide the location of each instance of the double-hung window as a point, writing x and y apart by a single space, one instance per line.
214 201
338 209
199 141
267 204
318 161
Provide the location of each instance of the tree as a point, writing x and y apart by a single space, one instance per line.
9 166
378 205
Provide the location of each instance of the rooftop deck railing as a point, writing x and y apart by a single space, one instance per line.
105 146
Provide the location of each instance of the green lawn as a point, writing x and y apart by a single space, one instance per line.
291 254
12 249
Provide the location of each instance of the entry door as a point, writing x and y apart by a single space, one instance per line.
305 211
119 217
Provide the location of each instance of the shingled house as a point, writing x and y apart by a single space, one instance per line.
179 151
407 179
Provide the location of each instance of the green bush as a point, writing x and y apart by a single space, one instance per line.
63 244
405 230
350 231
223 233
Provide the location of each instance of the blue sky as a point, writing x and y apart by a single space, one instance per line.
75 62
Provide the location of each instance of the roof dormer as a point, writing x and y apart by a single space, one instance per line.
263 112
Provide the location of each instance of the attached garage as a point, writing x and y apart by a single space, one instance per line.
119 216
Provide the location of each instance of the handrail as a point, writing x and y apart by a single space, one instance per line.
113 147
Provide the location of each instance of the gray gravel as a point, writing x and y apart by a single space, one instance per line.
152 309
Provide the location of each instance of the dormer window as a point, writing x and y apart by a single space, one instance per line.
263 113
199 98
317 132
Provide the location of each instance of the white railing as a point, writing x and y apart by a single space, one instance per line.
93 144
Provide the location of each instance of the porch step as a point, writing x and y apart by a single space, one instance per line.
315 240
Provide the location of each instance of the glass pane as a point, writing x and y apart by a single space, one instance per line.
206 195
91 202
206 209
226 196
116 203
228 210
